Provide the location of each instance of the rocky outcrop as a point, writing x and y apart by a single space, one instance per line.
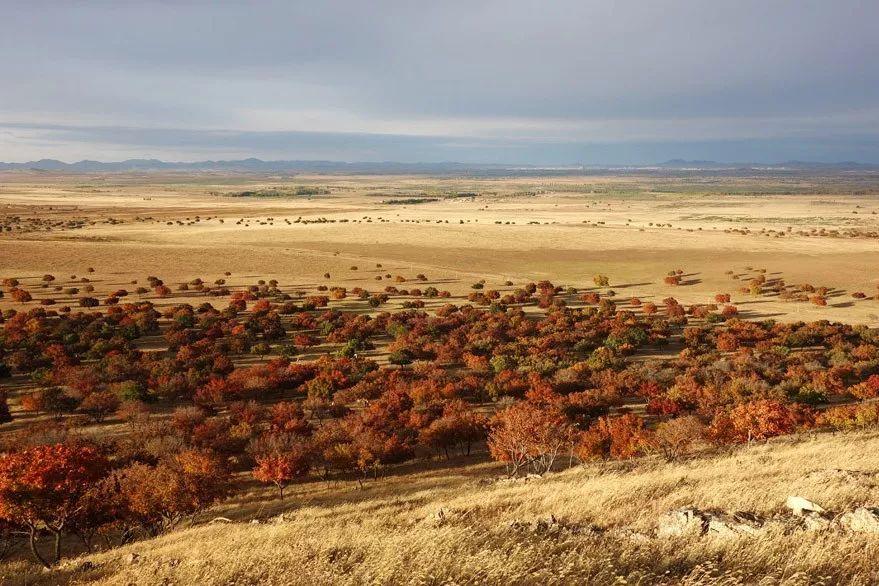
682 522
861 520
805 515
694 522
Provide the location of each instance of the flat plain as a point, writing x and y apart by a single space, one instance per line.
634 228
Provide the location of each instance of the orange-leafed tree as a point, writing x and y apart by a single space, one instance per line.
43 488
679 436
525 435
758 420
99 405
620 437
156 498
162 290
280 458
20 295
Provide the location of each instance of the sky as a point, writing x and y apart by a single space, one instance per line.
509 81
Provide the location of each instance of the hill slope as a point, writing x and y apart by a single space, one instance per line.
493 531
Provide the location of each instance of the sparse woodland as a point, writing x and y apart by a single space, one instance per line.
412 414
122 443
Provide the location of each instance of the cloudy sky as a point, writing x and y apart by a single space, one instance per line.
512 81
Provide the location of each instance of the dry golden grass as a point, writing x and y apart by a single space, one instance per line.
388 533
565 229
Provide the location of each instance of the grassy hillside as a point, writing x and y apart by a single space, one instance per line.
463 525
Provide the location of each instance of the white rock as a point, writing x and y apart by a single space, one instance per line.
799 505
814 521
682 522
862 520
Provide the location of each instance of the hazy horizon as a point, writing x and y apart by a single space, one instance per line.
475 164
516 82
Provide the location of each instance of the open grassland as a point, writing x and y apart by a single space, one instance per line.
633 229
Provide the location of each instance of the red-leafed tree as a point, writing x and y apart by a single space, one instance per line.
458 426
43 488
288 417
280 458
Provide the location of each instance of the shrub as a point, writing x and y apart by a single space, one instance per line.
868 389
848 417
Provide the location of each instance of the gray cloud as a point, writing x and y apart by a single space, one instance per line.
567 77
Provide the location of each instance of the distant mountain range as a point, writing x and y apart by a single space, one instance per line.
259 166
843 165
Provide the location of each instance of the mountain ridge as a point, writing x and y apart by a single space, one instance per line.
258 165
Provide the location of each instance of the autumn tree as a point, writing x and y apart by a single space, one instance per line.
43 488
20 295
51 400
280 458
99 405
156 498
757 420
333 447
5 415
679 436
619 437
458 426
527 435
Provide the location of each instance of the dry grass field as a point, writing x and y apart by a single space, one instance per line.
632 228
460 520
461 525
